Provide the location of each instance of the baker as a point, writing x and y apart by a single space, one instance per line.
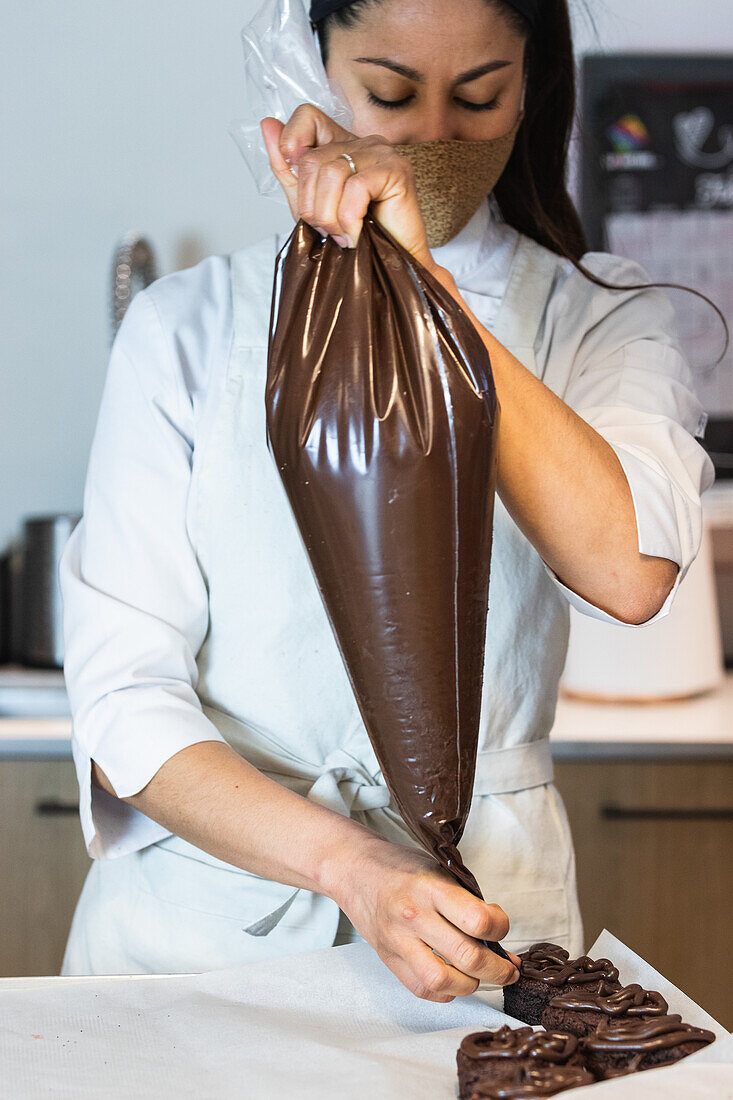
230 796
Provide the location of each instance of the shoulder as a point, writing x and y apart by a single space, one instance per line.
182 324
576 296
192 310
580 311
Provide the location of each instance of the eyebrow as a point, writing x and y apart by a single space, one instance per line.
413 74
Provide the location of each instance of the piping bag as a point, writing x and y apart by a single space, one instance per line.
382 419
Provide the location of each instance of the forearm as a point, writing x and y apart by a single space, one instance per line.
566 490
213 798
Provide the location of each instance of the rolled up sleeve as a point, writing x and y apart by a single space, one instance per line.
631 382
134 600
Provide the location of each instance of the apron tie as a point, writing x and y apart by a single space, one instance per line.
345 785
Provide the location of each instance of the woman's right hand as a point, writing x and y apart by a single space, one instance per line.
408 908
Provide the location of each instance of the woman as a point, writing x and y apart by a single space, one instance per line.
228 788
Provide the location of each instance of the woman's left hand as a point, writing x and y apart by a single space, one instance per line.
324 191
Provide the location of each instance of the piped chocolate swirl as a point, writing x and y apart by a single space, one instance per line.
498 1057
630 1000
630 1044
523 1042
580 971
578 1010
639 1035
534 1081
546 970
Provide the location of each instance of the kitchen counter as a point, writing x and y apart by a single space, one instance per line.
698 727
692 728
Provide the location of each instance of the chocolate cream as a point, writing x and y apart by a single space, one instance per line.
534 1081
523 1042
554 968
630 1000
643 1035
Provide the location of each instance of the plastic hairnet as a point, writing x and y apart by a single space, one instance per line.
283 68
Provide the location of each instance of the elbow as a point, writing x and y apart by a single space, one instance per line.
647 590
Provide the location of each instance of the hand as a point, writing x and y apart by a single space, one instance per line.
323 190
407 908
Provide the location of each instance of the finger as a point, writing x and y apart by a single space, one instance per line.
328 194
467 954
433 976
322 173
272 129
400 968
355 200
307 128
480 919
331 195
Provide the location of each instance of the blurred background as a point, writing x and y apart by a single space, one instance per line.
117 167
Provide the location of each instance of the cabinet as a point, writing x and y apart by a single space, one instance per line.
43 863
653 843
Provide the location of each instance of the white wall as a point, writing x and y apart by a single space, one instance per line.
113 119
657 26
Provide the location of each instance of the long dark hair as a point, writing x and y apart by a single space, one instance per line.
532 192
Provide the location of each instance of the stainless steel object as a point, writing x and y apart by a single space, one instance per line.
41 624
134 267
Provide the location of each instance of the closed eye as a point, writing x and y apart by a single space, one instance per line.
394 104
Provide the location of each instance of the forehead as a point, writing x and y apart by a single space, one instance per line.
431 36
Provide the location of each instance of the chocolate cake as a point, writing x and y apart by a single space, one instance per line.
545 971
491 1057
579 1011
594 1029
630 1044
535 1081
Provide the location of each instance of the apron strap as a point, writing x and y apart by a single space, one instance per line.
514 768
522 309
344 785
251 292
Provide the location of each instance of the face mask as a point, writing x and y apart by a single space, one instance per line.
452 179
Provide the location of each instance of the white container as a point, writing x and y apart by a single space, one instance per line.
676 657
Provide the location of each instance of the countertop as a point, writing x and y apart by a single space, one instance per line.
697 727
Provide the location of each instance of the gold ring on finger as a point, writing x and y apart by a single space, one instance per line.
350 160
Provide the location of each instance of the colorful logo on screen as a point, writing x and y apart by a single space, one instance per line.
630 140
628 134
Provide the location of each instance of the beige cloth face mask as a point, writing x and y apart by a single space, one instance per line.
453 177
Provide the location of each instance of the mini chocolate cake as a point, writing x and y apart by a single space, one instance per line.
535 1081
545 971
630 1044
490 1057
580 1012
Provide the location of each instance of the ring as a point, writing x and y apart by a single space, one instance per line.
351 162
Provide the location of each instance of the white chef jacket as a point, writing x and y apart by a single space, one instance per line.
136 608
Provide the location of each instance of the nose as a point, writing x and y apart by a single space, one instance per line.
435 123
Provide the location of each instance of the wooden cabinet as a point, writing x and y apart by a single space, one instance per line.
43 863
654 846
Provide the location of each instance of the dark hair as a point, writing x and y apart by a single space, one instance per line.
532 193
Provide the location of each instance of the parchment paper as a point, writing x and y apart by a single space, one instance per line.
329 1023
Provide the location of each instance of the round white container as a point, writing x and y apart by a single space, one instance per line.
678 656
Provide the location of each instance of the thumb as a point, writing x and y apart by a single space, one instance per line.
271 129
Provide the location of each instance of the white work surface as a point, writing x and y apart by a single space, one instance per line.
333 1023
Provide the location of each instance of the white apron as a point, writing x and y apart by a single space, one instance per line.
272 680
